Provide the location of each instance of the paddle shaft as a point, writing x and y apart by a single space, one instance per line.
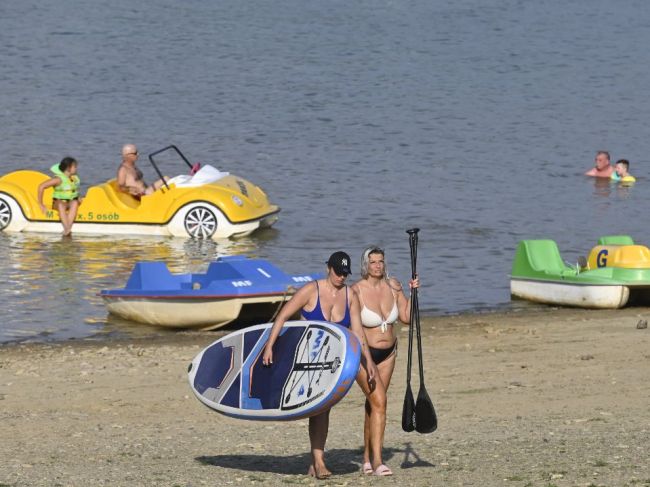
413 244
415 305
425 414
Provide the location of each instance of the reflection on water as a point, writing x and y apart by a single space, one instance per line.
624 190
114 326
603 187
606 188
51 283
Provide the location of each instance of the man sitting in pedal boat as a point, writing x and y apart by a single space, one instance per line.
130 178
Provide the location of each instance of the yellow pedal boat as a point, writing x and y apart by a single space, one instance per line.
206 204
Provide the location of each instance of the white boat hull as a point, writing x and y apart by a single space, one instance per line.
203 314
174 228
583 296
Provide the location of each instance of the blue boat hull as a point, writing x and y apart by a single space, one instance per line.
232 288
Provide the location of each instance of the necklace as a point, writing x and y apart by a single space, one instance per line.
333 290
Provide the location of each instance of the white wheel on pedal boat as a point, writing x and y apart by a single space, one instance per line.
5 214
200 222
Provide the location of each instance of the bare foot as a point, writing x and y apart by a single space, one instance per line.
321 473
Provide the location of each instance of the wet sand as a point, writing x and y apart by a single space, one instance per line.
550 398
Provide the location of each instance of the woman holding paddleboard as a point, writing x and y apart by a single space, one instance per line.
329 299
383 303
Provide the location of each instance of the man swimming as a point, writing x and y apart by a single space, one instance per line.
602 167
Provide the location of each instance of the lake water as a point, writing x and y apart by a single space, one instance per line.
472 120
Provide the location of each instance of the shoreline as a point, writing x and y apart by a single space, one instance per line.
546 397
150 333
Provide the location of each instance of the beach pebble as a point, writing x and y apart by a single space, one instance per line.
586 357
642 325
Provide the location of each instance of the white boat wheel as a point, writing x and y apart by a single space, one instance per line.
5 214
200 222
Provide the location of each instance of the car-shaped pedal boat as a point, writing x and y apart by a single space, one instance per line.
207 203
232 288
617 272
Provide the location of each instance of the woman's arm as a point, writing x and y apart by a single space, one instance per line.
404 303
42 187
296 303
357 329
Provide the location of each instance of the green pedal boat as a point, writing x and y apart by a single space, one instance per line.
616 272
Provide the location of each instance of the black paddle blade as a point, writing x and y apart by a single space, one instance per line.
408 411
425 414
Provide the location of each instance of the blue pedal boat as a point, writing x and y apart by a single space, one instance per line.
232 288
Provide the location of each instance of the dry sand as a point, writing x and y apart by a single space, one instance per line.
552 398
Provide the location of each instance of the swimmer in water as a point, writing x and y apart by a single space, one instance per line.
621 172
602 167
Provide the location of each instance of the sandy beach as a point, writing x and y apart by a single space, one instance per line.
545 398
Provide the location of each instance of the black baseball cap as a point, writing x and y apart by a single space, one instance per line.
340 262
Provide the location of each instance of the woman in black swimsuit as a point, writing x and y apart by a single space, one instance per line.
327 299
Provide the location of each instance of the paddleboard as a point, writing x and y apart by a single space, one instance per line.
314 365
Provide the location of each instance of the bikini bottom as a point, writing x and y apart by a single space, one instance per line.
380 354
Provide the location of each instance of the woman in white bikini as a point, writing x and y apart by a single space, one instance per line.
382 303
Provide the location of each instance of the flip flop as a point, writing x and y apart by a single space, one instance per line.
382 471
367 468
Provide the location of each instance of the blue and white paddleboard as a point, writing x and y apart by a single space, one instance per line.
314 365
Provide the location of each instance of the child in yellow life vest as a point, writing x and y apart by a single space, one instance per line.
621 174
65 199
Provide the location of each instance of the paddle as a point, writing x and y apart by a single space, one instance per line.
425 414
408 409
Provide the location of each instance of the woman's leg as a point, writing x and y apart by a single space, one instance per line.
73 208
366 433
318 428
376 416
62 208
385 370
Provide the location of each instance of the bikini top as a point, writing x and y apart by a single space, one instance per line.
316 314
371 319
